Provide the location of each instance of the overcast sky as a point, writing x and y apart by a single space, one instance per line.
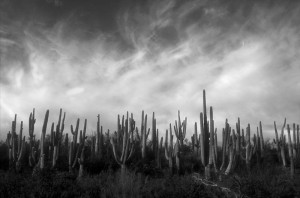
107 57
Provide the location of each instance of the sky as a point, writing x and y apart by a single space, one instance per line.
111 56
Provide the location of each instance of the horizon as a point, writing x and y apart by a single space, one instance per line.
109 57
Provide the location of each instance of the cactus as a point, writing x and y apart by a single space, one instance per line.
262 153
42 145
128 143
249 150
73 146
99 140
180 132
33 153
298 140
16 146
291 156
280 144
226 136
81 160
57 136
142 138
212 157
294 141
169 150
196 141
154 145
159 146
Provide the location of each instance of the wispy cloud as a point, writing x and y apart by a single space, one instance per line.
155 57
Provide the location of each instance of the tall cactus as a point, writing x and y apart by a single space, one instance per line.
42 154
58 137
249 149
294 141
180 132
225 134
127 145
33 150
196 141
262 152
16 146
291 156
81 160
169 150
99 139
142 138
281 143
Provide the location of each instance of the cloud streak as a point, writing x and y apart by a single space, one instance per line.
154 57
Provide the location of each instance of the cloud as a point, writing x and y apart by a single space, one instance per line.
156 57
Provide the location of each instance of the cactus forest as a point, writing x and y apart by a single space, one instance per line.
141 154
149 98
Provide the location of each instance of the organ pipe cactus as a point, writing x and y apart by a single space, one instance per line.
280 143
261 141
226 135
291 156
33 150
169 150
180 132
99 139
249 149
154 144
142 138
212 156
205 147
180 129
57 136
73 146
159 147
42 142
231 153
298 140
81 160
196 141
127 145
294 141
16 146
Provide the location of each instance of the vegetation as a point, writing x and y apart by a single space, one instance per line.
126 163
